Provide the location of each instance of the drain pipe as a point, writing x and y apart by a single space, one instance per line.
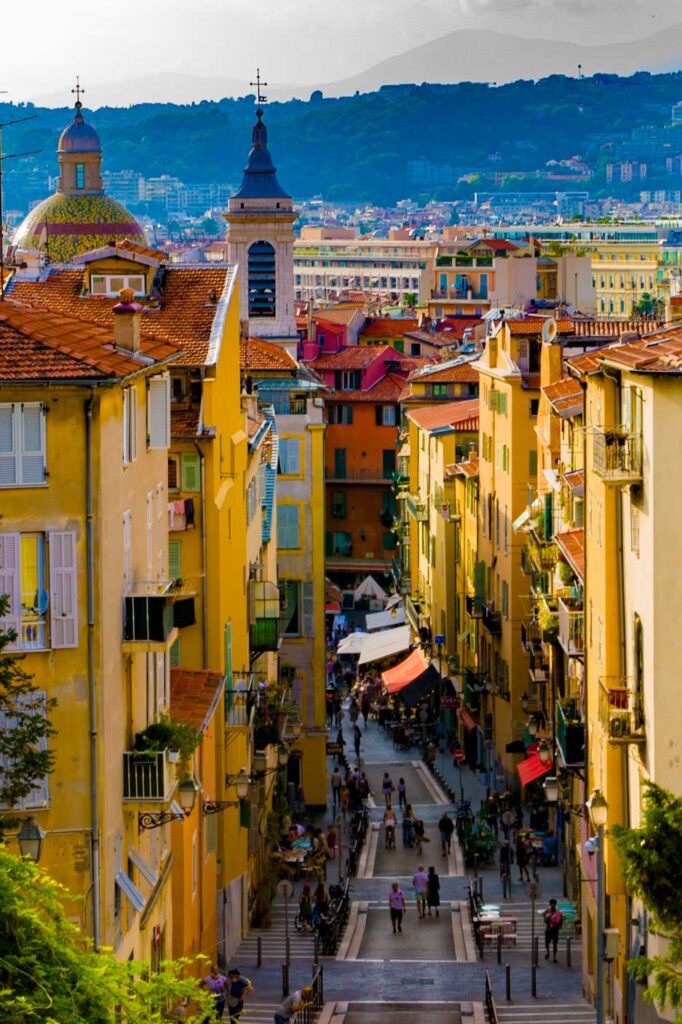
204 588
92 696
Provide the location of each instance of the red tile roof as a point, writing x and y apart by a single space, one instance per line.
388 327
337 314
565 396
572 544
462 415
39 345
194 695
329 326
612 328
355 357
183 317
662 355
575 478
497 244
534 325
388 389
455 326
461 373
185 422
468 467
257 354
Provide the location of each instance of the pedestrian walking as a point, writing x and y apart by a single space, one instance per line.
216 983
365 705
363 788
506 861
554 920
340 742
433 891
332 841
354 711
522 857
420 881
419 834
292 1004
336 782
357 739
305 907
238 987
446 827
387 788
402 793
408 825
396 904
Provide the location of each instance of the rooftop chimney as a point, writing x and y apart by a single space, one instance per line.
127 322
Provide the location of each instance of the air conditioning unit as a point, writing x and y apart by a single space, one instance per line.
619 726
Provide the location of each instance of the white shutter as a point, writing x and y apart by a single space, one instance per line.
150 537
126 426
32 443
158 412
8 447
63 590
127 551
39 796
161 533
308 609
161 682
10 584
132 422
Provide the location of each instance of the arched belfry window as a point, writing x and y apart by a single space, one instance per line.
262 292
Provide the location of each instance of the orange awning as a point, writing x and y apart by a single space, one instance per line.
532 768
394 679
467 719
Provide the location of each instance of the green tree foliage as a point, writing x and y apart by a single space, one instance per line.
47 976
23 762
651 858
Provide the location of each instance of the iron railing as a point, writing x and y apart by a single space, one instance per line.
147 775
617 454
621 710
490 1007
311 1011
571 625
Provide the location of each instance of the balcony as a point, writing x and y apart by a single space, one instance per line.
417 509
571 625
492 620
531 639
264 612
240 704
541 555
617 455
360 475
570 734
413 607
148 776
148 619
620 710
474 606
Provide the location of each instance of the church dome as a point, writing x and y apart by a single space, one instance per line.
79 137
63 226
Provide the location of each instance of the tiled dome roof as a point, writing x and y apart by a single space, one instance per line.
63 226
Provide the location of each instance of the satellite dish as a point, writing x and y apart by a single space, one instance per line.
549 331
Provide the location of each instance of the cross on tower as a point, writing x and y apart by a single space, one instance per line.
78 91
258 83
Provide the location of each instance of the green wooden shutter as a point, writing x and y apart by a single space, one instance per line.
175 654
340 463
174 559
532 462
191 472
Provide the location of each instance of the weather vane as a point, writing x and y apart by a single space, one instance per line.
78 91
259 84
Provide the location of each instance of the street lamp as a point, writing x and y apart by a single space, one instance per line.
599 809
532 727
283 756
241 782
187 794
524 701
551 789
544 751
30 837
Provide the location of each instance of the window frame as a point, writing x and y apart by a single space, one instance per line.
17 454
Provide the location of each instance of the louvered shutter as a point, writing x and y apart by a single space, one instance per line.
308 609
150 537
126 426
158 412
63 590
32 443
10 584
174 560
191 472
132 422
161 532
8 447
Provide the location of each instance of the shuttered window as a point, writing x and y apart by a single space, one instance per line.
161 531
288 527
22 444
175 654
158 412
39 796
174 560
308 608
191 472
290 456
10 584
129 425
127 551
63 589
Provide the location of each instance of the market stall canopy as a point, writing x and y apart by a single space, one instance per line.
352 644
333 608
532 768
385 619
385 643
332 593
394 600
414 678
420 687
467 719
370 589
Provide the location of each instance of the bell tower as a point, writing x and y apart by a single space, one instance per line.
260 235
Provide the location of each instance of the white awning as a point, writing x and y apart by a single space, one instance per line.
351 644
369 588
385 619
385 643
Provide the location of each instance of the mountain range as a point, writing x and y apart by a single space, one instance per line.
466 55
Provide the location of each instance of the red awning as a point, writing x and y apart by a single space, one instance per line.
333 608
394 679
532 768
467 719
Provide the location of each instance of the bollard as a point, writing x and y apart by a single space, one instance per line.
536 951
568 951
533 981
285 979
259 951
316 955
507 978
288 951
499 947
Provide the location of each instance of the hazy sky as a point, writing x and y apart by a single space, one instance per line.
45 43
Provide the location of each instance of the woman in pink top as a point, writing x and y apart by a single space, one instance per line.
396 903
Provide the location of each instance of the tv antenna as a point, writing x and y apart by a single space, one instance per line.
3 157
259 83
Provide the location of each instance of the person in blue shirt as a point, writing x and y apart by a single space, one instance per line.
237 988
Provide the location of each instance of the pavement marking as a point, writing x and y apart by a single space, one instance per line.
430 783
369 853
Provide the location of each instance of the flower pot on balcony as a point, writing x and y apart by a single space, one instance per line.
173 756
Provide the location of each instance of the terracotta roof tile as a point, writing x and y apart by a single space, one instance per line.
660 355
575 479
330 326
185 422
462 415
459 373
388 389
39 345
467 467
194 695
388 327
183 318
497 244
355 357
455 326
338 314
257 354
429 338
565 396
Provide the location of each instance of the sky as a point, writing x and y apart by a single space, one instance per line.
45 44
